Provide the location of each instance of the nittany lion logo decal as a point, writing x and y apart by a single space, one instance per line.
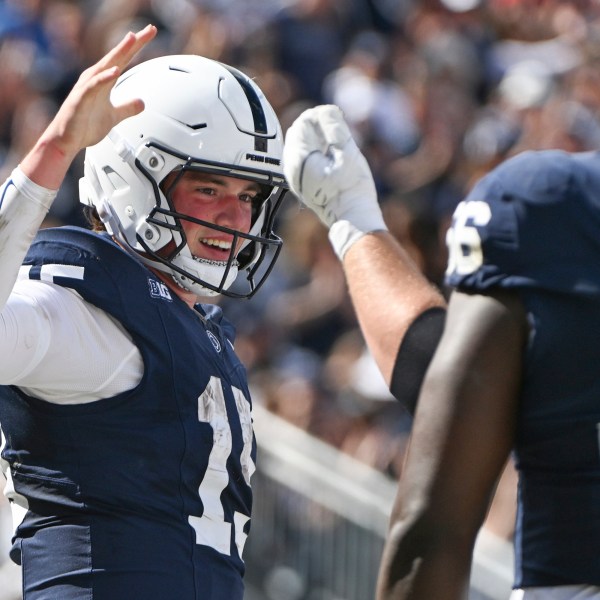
214 340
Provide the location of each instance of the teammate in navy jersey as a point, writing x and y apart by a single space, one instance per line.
516 369
126 421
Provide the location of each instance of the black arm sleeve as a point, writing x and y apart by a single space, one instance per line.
414 355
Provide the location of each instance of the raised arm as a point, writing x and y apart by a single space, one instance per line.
463 431
400 313
327 171
85 117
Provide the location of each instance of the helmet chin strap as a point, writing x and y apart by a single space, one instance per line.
209 271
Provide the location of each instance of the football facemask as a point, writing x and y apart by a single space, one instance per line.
199 115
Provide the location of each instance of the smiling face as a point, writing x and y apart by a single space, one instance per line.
224 201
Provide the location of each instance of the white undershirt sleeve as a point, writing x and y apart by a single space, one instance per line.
23 207
53 344
59 348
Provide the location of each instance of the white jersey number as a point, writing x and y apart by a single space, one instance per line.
211 528
464 243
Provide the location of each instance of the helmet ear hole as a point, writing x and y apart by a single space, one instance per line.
259 200
168 183
246 255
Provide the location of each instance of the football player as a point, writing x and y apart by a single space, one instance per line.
516 369
126 423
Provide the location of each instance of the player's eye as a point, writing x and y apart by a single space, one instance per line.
249 197
208 191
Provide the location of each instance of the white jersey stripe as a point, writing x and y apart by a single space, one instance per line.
49 272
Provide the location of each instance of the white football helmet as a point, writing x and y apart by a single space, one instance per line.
199 115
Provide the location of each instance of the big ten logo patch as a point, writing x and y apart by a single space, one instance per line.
159 290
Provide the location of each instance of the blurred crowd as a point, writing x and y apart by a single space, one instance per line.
436 91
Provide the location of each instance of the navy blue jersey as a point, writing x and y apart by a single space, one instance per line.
147 494
533 226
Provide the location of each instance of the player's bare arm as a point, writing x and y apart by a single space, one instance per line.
462 435
86 115
375 263
328 172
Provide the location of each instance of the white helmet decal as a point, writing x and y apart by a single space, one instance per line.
199 115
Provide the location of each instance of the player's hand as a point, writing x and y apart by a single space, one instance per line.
87 115
327 171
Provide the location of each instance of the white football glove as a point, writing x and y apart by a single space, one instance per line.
327 171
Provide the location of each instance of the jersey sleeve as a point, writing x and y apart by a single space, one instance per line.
533 222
